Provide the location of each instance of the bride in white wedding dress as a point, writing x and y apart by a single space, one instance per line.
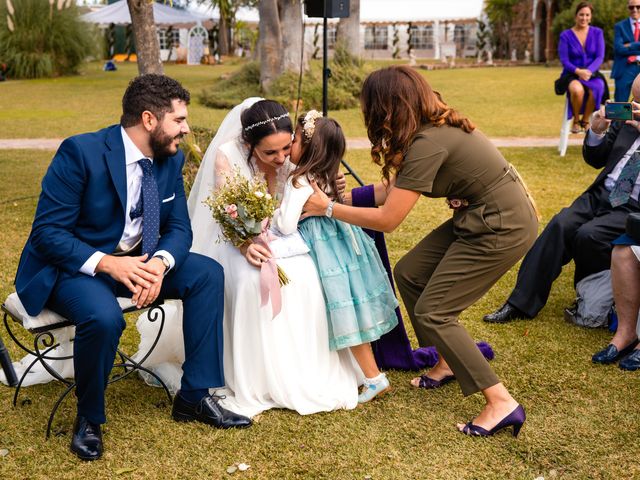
280 362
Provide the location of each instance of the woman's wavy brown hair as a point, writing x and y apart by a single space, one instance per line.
321 154
396 102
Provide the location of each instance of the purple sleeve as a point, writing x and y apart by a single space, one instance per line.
563 52
598 50
363 196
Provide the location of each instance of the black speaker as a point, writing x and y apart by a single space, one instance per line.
335 8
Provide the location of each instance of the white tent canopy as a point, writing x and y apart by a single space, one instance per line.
118 14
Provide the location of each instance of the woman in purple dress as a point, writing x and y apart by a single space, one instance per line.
581 51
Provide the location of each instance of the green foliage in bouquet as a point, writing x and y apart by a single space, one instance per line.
43 39
240 206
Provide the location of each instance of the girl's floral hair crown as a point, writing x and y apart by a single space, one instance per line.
309 123
264 122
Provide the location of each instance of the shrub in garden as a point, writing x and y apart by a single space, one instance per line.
39 38
344 86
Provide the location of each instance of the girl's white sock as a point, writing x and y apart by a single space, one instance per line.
376 379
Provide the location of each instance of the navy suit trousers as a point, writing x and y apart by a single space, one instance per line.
90 303
623 84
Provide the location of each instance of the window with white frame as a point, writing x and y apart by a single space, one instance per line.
168 38
332 31
460 37
376 37
421 37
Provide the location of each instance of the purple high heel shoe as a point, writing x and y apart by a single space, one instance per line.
429 383
516 419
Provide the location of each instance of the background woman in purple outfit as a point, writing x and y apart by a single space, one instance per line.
581 51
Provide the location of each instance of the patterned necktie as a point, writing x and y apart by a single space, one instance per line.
621 191
148 208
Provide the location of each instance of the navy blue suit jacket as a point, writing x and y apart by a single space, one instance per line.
81 210
622 35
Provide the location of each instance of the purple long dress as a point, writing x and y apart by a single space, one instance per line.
573 56
393 349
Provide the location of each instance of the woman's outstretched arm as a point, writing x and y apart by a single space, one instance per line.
385 218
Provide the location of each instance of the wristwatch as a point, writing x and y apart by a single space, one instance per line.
329 211
165 262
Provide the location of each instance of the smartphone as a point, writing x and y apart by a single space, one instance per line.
618 111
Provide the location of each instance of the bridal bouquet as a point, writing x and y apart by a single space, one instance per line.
242 207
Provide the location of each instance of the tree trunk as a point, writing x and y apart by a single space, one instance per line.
223 36
146 38
269 43
348 33
290 13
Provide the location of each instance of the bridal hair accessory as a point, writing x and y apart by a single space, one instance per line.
309 123
264 122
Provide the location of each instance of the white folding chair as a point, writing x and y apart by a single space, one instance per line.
564 130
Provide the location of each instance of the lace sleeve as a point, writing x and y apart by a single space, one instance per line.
285 218
221 169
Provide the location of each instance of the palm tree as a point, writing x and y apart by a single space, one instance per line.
290 13
146 38
348 33
269 43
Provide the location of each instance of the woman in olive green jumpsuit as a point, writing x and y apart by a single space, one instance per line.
427 148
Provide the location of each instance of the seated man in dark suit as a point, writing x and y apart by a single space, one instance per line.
112 221
584 230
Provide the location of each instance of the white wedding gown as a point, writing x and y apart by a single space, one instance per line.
281 362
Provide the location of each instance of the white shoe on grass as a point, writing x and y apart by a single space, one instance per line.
374 387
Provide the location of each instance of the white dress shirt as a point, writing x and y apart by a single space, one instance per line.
132 228
593 140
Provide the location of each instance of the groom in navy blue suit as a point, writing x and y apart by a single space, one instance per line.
112 221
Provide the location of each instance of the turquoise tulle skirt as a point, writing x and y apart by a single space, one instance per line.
359 299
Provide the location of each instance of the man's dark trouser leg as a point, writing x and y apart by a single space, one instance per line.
553 249
90 303
199 283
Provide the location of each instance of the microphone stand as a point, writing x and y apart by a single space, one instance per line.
326 74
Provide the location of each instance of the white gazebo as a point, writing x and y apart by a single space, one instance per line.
188 27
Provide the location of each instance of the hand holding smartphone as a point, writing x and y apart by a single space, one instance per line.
618 111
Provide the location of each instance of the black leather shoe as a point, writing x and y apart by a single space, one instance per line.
631 361
611 354
86 441
208 411
506 313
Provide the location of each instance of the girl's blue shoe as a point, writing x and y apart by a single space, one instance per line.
374 387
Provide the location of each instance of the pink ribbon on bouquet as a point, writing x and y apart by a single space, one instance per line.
269 281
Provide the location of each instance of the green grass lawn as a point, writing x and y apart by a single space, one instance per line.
582 419
503 101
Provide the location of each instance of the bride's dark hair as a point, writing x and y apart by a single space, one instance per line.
262 119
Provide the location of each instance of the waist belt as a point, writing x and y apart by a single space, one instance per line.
509 175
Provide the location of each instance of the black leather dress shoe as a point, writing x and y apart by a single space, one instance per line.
208 411
631 361
611 354
506 313
86 441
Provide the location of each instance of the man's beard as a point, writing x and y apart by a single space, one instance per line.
162 144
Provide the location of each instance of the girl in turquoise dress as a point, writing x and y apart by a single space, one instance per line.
359 300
